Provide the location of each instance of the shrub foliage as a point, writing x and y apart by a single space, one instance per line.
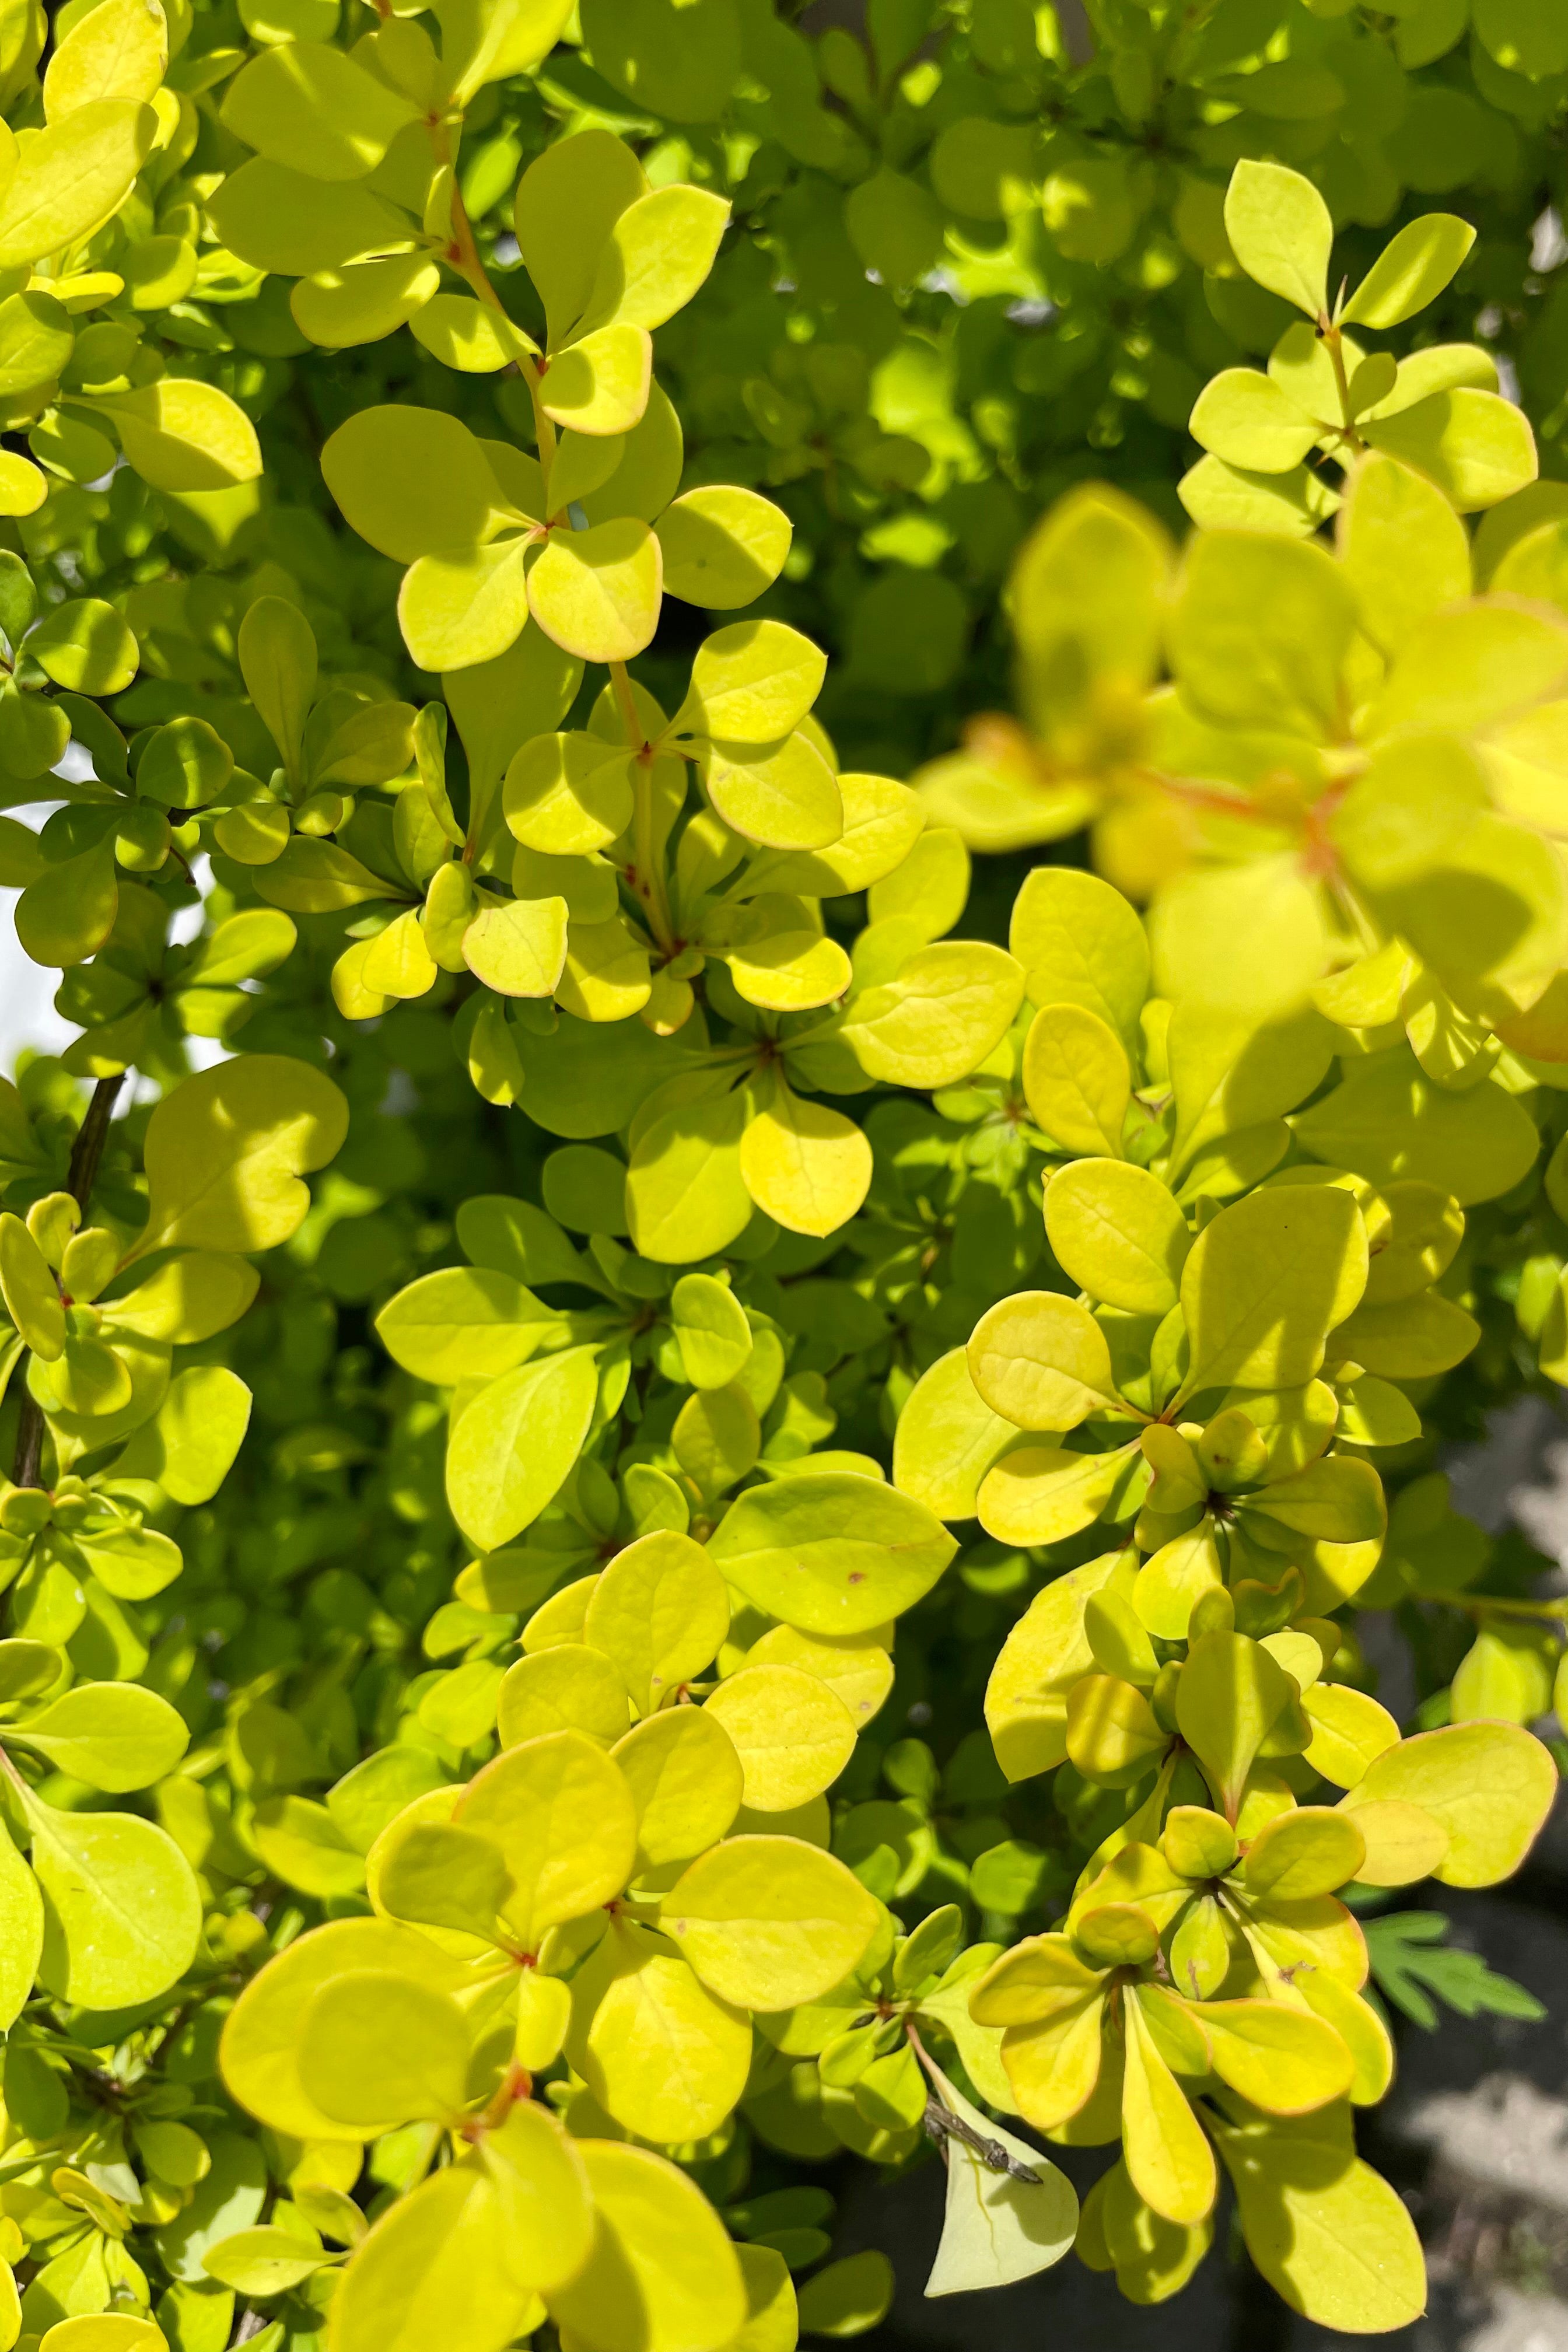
767 1564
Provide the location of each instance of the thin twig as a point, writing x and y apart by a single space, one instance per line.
80 1176
940 2124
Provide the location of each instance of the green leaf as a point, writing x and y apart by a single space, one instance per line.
411 481
85 646
1390 508
600 386
662 2273
225 1151
278 218
792 1734
656 255
849 2297
1117 1233
1230 1695
1387 1122
684 61
1280 232
31 1294
686 1781
829 1553
656 2051
121 1908
72 177
659 1613
261 2036
1076 1080
717 1438
722 546
568 794
463 1323
1476 446
769 1922
949 1005
1266 1281
1411 1960
376 2051
947 1438
805 1166
1042 1362
686 1195
1042 1494
21 1931
113 1736
1246 419
753 683
1260 629
277 649
1411 271
1489 1784
567 203
596 593
186 1300
783 796
67 914
1329 2236
710 1328
429 2265
1221 497
122 54
301 1843
315 110
263 2262
181 435
513 1445
189 1447
562 1815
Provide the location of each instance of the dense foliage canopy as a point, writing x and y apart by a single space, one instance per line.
767 1563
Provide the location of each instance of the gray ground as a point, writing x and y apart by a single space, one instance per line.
1473 2134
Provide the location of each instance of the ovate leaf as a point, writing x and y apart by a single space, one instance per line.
113 1736
225 1151
1490 1785
831 1553
515 1442
1280 231
947 1438
1266 1282
121 1908
563 1817
662 2276
1329 2235
1411 271
769 1922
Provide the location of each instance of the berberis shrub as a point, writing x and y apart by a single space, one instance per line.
768 1564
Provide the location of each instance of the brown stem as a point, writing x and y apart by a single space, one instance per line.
91 1137
467 261
86 1153
941 2125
